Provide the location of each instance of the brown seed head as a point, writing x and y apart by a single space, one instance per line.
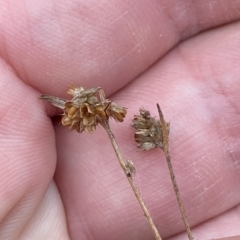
85 111
148 132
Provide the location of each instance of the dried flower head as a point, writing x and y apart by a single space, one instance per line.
148 131
85 110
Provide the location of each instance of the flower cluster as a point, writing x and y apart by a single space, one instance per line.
148 131
85 110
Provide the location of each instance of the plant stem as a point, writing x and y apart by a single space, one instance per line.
176 190
122 163
165 133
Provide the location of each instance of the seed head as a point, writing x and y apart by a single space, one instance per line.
85 110
148 131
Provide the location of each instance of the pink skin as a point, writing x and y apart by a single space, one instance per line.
176 53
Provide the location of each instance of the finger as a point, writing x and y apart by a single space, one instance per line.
49 220
197 86
27 153
107 44
222 227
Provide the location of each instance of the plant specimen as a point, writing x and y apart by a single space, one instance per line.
150 133
84 112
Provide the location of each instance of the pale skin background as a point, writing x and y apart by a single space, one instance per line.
185 55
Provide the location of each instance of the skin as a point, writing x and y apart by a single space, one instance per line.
57 184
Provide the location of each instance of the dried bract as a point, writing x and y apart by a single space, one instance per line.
85 110
55 101
129 168
148 131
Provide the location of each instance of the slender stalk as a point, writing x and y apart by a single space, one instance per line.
122 163
165 131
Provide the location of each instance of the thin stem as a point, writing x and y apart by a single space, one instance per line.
122 163
176 190
165 132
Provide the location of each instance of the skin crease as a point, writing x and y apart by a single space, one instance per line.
57 184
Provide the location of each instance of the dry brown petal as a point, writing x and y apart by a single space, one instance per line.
89 120
100 111
89 128
66 121
85 110
77 125
72 111
116 112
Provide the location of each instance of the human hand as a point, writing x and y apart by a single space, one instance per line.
140 53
